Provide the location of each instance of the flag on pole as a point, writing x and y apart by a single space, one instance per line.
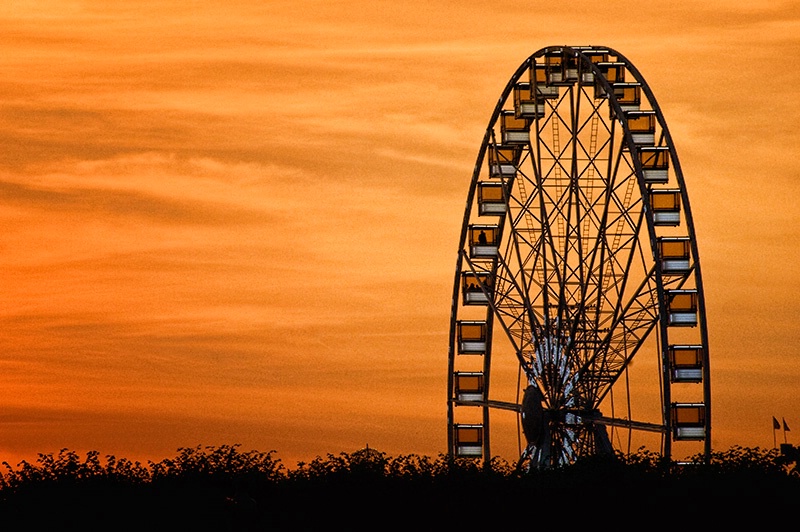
785 426
775 424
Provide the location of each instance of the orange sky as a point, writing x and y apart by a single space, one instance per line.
238 223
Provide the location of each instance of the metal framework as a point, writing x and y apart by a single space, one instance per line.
578 310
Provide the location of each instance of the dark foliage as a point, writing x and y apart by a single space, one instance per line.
225 489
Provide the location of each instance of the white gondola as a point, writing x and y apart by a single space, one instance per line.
561 69
476 288
666 207
628 96
471 337
469 386
553 62
613 72
491 201
539 79
503 160
514 129
525 104
595 56
682 307
642 125
571 70
674 254
655 163
688 421
468 440
483 241
686 363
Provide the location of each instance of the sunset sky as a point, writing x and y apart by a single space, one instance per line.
237 222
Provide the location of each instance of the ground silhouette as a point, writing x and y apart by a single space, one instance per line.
226 489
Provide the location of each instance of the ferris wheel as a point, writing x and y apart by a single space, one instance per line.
578 322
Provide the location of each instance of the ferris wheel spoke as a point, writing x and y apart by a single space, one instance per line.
630 328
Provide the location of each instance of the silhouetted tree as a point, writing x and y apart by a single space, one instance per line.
225 489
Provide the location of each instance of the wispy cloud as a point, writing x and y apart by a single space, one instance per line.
252 213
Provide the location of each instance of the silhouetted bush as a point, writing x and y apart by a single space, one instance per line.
223 488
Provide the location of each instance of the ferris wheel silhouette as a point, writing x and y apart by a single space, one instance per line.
578 322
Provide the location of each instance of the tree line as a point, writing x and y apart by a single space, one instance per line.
225 488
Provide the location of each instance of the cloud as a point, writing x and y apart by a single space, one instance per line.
244 220
104 202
